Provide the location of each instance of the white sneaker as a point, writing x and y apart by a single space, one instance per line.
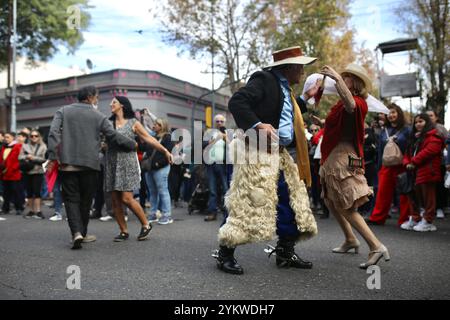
440 214
2 219
55 217
106 218
409 225
424 226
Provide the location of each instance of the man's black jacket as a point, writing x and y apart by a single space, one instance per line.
261 100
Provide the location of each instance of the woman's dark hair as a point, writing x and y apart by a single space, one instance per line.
86 92
438 120
128 112
414 141
11 133
23 134
401 122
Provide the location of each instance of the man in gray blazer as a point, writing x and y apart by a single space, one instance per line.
74 142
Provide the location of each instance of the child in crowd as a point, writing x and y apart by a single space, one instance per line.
423 157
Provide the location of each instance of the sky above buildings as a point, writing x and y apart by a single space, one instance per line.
113 41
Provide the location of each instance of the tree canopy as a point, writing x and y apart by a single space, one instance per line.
42 27
243 33
429 22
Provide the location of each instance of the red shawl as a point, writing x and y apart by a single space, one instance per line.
334 126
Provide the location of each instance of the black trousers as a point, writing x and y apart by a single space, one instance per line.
175 178
13 192
99 199
33 185
78 191
143 191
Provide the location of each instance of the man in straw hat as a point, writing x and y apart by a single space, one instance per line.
270 196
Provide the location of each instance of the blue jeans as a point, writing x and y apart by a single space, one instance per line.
44 190
57 196
158 183
216 173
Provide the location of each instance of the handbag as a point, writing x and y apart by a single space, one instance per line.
392 155
147 163
28 165
405 182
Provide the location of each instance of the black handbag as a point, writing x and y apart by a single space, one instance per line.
405 182
147 163
28 165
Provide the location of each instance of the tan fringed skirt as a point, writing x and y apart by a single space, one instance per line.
343 188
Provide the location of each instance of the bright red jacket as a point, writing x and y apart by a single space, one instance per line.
11 170
428 158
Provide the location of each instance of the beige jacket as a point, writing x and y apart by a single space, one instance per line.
39 158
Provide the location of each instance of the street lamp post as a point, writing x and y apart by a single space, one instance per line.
14 85
213 98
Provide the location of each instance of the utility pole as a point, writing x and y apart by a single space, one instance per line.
10 18
14 58
213 102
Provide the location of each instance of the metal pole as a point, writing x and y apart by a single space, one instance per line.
14 86
410 109
10 18
378 73
213 102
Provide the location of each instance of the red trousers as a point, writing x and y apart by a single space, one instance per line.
425 195
387 180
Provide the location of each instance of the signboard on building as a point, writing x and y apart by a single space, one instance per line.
402 85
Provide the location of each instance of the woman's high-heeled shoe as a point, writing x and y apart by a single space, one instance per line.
347 246
375 256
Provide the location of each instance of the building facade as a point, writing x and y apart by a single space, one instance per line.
164 96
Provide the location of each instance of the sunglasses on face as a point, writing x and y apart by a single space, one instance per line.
34 136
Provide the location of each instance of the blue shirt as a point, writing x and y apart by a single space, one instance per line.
286 127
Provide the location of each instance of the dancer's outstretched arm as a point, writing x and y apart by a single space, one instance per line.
143 134
343 91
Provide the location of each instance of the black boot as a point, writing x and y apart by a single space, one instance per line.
226 261
286 256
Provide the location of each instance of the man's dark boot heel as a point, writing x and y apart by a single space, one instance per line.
287 258
226 261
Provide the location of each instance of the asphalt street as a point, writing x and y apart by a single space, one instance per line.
176 263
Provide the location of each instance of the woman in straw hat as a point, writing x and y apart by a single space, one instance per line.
342 173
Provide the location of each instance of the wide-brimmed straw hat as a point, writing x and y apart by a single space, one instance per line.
293 55
360 72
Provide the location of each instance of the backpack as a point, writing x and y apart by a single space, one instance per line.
392 155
